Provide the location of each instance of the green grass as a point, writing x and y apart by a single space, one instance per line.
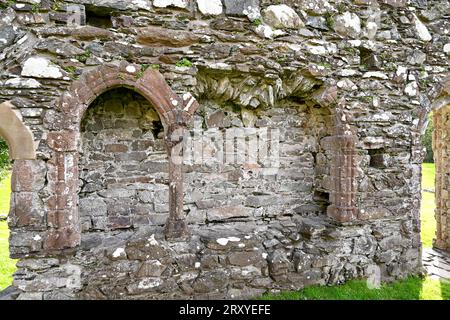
428 173
5 193
412 288
427 218
7 265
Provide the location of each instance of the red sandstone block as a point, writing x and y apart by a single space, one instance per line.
61 219
28 175
27 210
58 239
63 140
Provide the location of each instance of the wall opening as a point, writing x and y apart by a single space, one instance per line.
98 16
377 158
123 165
7 265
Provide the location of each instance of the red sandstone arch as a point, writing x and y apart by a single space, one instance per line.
174 112
19 137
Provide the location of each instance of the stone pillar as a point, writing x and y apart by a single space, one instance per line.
63 221
441 148
343 173
176 226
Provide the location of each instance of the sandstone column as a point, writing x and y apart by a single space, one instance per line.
441 147
176 226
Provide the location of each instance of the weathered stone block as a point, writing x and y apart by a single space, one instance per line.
245 258
227 212
27 210
237 7
28 175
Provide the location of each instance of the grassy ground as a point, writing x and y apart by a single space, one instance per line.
412 288
7 266
428 205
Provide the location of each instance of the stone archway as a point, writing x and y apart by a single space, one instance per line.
174 111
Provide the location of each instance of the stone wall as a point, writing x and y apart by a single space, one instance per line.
101 213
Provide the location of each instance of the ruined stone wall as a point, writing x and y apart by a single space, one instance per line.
348 83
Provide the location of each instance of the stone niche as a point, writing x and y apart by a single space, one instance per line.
257 186
123 164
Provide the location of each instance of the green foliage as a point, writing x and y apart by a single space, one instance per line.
257 22
144 68
84 56
329 20
184 63
36 7
7 4
57 4
427 140
71 70
4 157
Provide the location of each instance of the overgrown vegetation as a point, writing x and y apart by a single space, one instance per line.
184 63
257 22
84 56
5 163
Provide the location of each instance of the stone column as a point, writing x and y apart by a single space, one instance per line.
176 226
441 148
343 173
62 218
